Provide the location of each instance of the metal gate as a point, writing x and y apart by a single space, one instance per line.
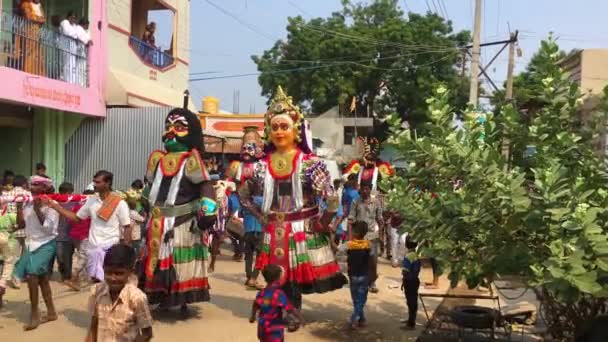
120 143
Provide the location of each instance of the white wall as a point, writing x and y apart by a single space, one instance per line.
329 127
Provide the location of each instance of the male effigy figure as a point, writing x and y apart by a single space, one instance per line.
182 208
295 185
370 170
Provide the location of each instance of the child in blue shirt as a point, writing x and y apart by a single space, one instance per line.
411 281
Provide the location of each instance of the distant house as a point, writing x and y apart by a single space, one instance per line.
335 132
589 68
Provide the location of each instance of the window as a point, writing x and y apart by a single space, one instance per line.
350 136
152 32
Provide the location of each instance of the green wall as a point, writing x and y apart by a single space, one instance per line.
52 130
16 150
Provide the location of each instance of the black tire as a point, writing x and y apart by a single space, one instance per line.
474 317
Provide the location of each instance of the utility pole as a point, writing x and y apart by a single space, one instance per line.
473 91
511 66
506 144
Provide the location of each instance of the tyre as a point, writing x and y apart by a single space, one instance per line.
473 317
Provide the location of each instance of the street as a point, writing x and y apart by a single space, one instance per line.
225 318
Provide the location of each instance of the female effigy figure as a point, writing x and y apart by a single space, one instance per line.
295 185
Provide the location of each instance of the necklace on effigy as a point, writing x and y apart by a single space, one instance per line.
281 164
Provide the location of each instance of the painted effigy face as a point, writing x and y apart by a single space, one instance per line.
251 149
283 133
176 132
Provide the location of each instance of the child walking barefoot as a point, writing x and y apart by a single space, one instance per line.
120 310
270 303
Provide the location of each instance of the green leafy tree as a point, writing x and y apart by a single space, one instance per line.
370 51
545 219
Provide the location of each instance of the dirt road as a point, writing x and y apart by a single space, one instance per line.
225 318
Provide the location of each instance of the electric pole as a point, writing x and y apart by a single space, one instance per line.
473 92
509 88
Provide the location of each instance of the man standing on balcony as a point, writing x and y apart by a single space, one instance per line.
69 43
84 37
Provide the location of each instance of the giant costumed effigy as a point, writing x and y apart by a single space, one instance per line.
296 233
182 207
369 168
251 152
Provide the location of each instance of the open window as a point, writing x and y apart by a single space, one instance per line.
153 32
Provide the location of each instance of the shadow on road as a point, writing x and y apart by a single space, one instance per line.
174 315
79 318
16 310
240 307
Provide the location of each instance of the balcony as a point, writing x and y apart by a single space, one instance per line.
150 55
43 51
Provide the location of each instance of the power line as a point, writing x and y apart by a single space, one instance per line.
375 41
427 5
313 68
407 8
445 9
240 21
299 8
437 8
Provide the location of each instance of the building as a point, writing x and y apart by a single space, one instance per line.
142 83
224 131
50 83
589 69
140 75
335 133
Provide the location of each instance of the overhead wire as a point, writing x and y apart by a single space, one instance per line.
445 9
241 21
375 41
313 68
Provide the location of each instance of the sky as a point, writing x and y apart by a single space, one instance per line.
225 33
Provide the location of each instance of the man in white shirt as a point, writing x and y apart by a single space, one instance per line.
40 223
82 32
69 41
109 215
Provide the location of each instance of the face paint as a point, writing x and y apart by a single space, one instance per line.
282 133
176 127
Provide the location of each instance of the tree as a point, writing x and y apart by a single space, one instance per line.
545 219
370 51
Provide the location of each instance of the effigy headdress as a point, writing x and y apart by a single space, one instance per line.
370 145
281 104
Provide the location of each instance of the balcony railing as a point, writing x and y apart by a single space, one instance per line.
43 51
150 54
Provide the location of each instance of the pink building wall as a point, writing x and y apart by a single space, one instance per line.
27 89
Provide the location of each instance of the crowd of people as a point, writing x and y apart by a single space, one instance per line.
58 51
150 245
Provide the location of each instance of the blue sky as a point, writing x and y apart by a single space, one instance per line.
220 43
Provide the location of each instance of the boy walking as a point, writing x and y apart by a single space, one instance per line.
270 303
359 262
411 282
369 210
119 309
